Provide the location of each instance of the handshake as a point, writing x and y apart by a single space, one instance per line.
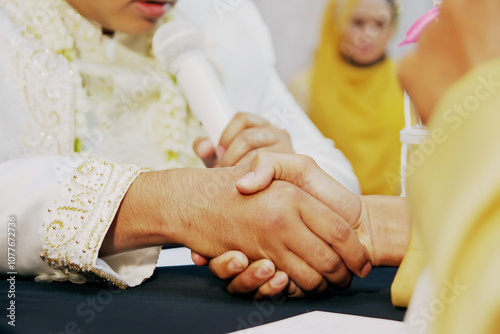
288 226
268 221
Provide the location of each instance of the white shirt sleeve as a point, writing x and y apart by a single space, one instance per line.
239 45
62 204
63 208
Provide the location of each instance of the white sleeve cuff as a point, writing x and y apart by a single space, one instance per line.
80 219
132 268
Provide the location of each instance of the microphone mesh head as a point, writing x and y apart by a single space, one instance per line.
175 39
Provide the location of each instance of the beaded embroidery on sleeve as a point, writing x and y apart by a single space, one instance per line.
62 38
80 219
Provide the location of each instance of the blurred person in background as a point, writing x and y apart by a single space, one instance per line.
351 92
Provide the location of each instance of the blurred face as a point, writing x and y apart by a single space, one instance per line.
129 16
368 33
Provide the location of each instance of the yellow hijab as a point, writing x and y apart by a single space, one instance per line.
360 109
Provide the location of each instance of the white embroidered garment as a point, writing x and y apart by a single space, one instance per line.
64 86
67 86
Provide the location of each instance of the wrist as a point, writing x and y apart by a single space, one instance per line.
192 205
140 221
386 234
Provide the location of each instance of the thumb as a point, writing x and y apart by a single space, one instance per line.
304 173
260 175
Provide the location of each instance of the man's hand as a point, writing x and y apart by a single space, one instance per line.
245 137
382 223
464 36
203 210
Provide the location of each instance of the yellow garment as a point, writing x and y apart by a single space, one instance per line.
455 198
409 271
359 108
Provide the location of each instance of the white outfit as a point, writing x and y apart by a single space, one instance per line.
65 88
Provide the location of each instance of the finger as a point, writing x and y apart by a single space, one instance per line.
252 278
247 141
306 174
293 291
273 287
198 259
304 275
297 247
321 219
205 150
334 230
229 264
261 174
239 123
253 154
322 259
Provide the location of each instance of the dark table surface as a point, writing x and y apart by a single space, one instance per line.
176 300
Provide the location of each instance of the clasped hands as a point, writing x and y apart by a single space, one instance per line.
304 226
322 230
336 216
281 213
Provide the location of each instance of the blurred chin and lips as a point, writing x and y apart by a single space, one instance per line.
133 17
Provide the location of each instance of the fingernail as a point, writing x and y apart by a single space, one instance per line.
204 147
219 152
263 271
366 270
247 178
235 265
279 280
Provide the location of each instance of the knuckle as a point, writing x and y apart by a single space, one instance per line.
345 281
341 231
311 282
307 162
289 191
283 133
277 221
249 156
267 135
332 264
247 284
284 194
360 257
241 149
248 136
262 157
240 116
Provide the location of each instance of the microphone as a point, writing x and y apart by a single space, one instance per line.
178 47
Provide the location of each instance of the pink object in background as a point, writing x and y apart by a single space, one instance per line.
416 29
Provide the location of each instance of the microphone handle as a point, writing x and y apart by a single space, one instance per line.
205 95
